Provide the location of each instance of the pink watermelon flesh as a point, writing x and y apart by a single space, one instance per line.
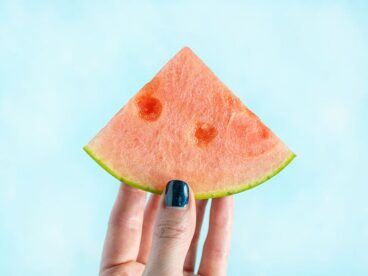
186 124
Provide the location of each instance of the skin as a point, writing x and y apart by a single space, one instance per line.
156 240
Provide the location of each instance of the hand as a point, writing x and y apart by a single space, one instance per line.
159 240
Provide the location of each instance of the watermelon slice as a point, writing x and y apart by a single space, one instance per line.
186 124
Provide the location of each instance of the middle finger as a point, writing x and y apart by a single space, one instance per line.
192 252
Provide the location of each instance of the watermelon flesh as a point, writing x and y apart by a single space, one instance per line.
186 124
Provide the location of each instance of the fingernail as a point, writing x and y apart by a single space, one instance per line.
176 194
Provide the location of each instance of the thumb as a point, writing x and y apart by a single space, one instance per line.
173 232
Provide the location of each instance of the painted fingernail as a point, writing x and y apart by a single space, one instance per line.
176 194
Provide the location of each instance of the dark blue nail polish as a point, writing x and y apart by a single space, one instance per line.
176 194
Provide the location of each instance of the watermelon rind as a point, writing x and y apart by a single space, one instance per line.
214 194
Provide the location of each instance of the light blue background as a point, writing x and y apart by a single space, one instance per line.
67 66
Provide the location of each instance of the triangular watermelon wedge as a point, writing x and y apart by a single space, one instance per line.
186 124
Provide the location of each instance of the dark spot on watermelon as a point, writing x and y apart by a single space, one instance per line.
204 133
149 108
264 132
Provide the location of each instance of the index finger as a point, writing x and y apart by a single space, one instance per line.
125 227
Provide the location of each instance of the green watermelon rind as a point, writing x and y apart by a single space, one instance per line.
247 186
114 174
216 194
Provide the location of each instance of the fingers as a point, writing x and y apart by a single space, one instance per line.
129 268
173 230
216 246
125 227
147 231
191 255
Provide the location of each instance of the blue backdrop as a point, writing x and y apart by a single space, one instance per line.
67 66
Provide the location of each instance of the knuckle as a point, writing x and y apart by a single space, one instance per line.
130 268
170 230
131 223
216 252
224 228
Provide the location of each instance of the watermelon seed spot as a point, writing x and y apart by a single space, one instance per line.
205 133
265 133
149 108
